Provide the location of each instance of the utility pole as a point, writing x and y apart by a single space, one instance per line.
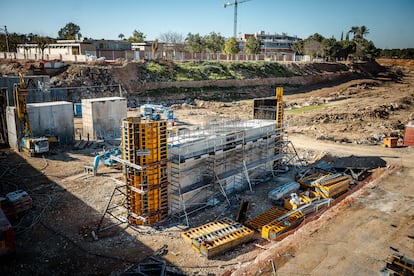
235 3
7 41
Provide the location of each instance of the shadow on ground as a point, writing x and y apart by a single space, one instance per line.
54 237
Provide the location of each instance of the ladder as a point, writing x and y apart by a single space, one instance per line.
279 107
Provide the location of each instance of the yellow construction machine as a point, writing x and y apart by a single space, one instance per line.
29 144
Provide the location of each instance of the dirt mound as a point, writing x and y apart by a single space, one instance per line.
369 69
396 62
316 68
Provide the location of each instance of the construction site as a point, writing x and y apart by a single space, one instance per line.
209 188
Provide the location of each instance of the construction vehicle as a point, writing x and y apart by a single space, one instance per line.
28 143
105 158
156 112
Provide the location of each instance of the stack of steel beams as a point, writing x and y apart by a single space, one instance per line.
264 218
281 225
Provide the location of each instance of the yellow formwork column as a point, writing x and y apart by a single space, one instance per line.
151 203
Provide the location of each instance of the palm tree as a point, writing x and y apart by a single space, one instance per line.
363 30
121 36
359 32
354 30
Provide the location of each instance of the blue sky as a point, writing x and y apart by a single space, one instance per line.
390 22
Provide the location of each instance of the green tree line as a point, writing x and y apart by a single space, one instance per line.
407 53
357 48
353 46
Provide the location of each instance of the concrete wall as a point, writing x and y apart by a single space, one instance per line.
12 127
101 117
297 80
39 90
52 118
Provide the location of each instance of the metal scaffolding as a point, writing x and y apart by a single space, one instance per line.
218 160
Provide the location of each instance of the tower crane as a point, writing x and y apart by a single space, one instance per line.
235 3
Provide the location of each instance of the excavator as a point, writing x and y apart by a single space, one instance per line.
29 144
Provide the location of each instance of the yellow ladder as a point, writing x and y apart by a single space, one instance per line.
279 107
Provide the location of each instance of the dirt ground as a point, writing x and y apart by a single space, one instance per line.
353 238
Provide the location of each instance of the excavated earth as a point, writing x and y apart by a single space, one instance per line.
340 118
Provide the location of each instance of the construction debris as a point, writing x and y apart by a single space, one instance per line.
7 242
16 203
152 266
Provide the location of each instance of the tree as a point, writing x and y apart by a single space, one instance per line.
365 50
231 46
214 42
330 48
70 31
137 37
354 30
121 36
195 43
312 48
298 46
363 31
42 43
359 32
252 46
312 45
171 37
317 37
346 48
13 39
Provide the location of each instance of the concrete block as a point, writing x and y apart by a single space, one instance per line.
101 117
52 119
